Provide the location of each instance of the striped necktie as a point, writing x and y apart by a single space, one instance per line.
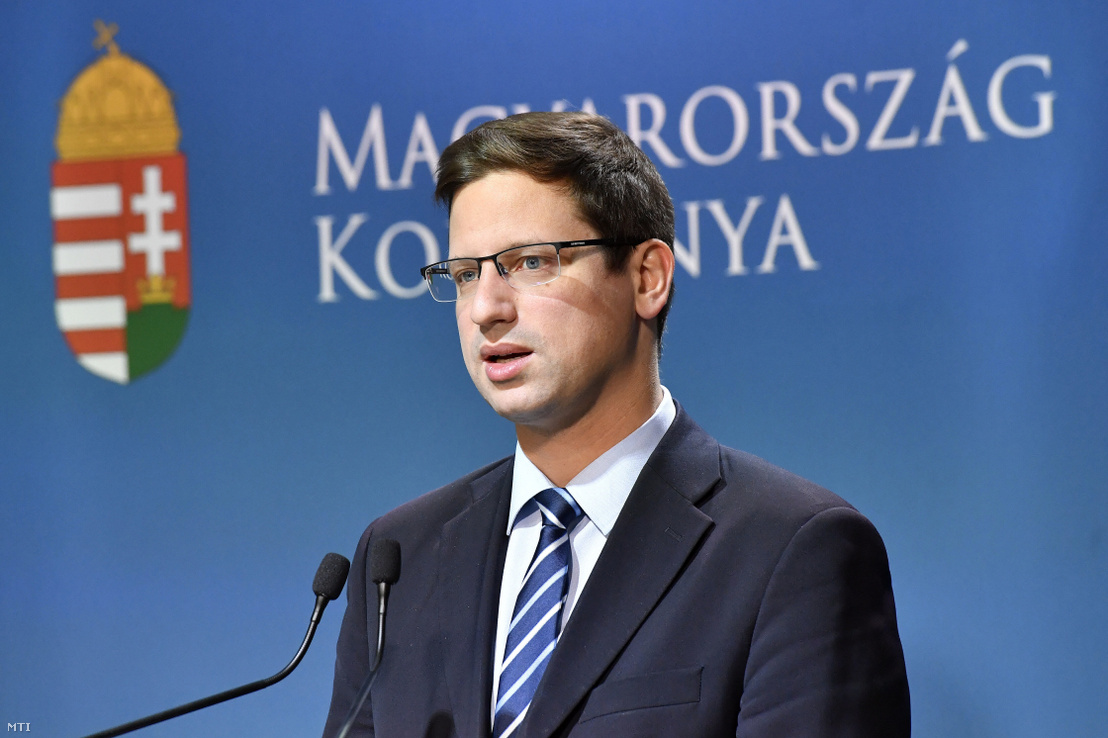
536 620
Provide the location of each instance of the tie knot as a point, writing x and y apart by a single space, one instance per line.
557 506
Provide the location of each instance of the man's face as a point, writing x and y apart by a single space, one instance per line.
545 356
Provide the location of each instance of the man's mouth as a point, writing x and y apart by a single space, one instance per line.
502 358
503 352
505 362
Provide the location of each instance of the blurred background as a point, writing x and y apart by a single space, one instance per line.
891 280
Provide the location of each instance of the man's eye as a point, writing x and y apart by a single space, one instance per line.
465 275
529 263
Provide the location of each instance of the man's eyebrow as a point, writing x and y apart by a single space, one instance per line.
529 241
509 245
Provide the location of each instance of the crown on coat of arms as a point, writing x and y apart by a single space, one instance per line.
157 289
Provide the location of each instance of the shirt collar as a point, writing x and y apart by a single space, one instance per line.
602 487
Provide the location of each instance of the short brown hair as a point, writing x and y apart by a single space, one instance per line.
615 185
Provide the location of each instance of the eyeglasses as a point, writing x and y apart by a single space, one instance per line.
520 266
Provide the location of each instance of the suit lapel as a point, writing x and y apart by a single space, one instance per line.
470 563
651 542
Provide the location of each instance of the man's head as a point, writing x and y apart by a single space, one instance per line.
568 340
616 187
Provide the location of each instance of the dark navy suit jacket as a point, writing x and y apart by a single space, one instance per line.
732 598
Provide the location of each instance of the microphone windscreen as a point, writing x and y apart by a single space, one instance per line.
384 561
331 576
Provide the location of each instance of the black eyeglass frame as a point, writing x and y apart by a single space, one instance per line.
441 267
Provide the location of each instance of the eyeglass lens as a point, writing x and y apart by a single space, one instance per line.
522 266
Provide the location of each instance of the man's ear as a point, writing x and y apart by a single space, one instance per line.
652 263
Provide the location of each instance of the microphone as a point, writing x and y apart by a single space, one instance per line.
384 570
327 585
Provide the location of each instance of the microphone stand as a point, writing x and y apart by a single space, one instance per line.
363 693
329 580
384 570
215 699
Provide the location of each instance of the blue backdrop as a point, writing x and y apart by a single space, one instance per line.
891 281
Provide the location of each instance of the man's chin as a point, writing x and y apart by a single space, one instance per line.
514 404
515 412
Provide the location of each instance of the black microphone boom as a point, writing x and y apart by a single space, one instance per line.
384 571
328 583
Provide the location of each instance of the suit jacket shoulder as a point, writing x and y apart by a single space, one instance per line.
439 505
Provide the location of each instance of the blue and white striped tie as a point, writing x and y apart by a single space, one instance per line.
536 620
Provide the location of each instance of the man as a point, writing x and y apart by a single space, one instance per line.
622 574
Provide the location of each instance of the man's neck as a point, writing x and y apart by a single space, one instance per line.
562 453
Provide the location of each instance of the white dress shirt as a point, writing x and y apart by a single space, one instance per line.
601 489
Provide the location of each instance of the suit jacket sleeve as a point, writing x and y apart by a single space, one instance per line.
352 657
825 657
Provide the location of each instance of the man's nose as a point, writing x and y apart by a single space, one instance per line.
493 300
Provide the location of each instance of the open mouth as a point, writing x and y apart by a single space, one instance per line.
502 358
